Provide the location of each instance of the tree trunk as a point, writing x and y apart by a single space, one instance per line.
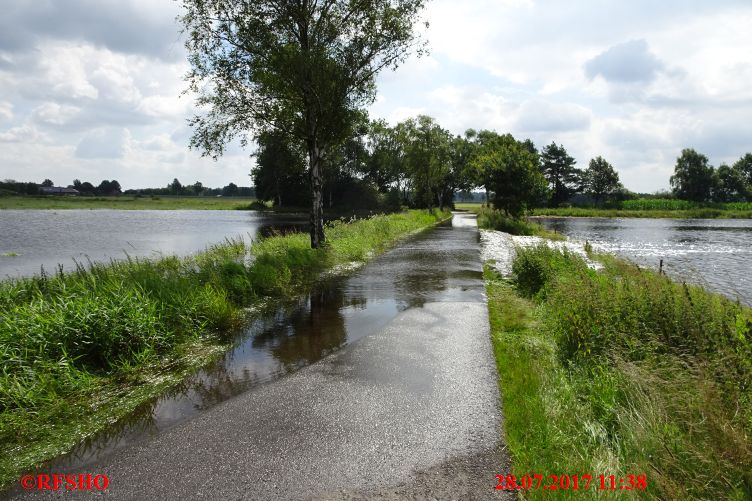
317 206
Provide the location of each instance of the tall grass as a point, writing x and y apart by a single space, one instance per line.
624 372
493 219
78 349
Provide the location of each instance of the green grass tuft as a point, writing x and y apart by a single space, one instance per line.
81 349
623 372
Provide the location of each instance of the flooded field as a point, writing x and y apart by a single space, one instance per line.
441 264
716 253
32 239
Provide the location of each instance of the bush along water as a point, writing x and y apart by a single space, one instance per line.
81 349
637 375
494 219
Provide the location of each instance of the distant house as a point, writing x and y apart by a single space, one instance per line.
57 190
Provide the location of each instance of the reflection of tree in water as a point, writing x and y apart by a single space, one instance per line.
311 332
417 285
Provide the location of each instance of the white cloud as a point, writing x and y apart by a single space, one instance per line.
544 116
52 113
103 143
93 89
6 111
21 134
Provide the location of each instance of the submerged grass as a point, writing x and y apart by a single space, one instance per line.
79 350
623 372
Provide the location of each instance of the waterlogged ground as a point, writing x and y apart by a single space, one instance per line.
438 265
32 239
715 253
498 249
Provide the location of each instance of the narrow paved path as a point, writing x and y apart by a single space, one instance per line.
411 411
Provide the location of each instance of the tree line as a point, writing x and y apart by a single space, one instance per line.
420 164
112 187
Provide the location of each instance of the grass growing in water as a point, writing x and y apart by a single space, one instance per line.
80 350
492 219
623 372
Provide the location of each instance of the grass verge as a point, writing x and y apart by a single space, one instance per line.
622 372
82 349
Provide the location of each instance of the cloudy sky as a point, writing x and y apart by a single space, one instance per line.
91 89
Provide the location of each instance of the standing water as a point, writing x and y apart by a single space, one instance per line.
32 239
441 264
715 253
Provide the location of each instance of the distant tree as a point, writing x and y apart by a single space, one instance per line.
511 173
77 184
744 166
693 178
730 185
600 180
428 159
280 172
231 190
86 188
115 188
560 172
47 183
384 165
104 188
175 187
303 68
198 188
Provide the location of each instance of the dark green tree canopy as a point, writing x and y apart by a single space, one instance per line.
304 68
511 172
601 180
730 185
744 166
693 178
560 172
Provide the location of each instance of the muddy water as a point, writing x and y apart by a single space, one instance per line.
439 264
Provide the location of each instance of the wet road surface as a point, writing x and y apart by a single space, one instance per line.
409 410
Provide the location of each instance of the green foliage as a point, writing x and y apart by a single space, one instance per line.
127 203
74 347
624 372
280 174
492 219
428 159
510 171
601 180
560 172
693 177
305 70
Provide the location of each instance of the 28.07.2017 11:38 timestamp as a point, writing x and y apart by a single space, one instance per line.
572 482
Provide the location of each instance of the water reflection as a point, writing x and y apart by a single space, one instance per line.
441 264
712 252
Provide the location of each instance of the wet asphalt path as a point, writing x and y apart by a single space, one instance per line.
411 411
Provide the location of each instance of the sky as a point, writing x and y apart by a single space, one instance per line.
93 89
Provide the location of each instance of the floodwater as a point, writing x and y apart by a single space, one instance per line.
436 265
715 253
32 239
